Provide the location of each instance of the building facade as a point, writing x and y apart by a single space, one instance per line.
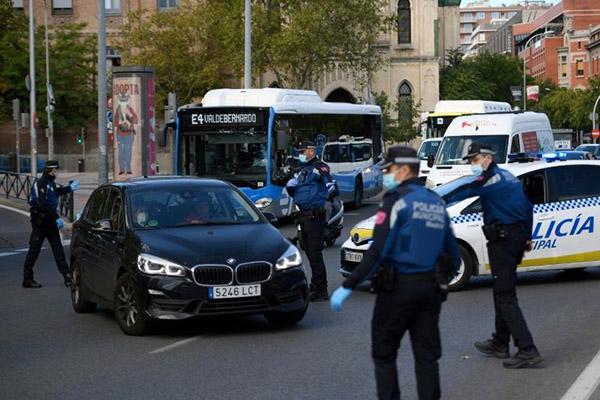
475 14
594 49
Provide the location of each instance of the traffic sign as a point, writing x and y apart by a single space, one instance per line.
596 133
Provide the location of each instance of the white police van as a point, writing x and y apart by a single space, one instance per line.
566 198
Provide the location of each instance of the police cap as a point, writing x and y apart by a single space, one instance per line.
306 144
51 164
400 155
478 148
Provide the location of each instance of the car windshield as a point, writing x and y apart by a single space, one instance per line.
428 148
591 148
167 207
454 148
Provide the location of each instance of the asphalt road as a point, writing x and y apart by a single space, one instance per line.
49 352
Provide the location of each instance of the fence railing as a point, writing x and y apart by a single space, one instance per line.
18 186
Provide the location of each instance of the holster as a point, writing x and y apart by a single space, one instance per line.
384 280
494 232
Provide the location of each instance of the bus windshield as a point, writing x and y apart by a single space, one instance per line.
238 155
454 148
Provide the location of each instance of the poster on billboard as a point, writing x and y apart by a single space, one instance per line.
127 126
151 168
533 93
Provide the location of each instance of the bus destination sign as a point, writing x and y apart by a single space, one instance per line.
222 118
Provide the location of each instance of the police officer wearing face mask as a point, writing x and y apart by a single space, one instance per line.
508 220
412 233
310 191
46 223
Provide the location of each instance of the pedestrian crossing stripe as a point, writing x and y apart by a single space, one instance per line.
538 209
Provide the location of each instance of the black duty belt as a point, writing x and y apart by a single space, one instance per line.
424 276
314 212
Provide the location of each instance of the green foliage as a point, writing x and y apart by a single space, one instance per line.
72 68
398 117
483 77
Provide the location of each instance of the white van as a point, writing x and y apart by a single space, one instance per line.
506 133
428 148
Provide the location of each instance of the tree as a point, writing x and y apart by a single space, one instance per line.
72 68
398 118
483 77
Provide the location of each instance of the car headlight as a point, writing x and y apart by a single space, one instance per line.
291 258
263 203
153 265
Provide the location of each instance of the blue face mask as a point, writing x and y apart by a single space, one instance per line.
389 181
302 158
477 169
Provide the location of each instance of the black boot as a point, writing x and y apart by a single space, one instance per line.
31 284
68 281
318 294
492 348
524 359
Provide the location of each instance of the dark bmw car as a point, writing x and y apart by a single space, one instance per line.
171 248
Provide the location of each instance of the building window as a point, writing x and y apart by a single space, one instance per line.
405 103
495 15
62 7
17 3
579 68
468 17
468 27
404 22
167 4
112 7
480 15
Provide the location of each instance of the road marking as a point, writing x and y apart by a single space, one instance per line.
173 345
353 214
25 213
587 383
7 254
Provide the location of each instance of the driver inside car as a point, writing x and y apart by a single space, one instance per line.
201 212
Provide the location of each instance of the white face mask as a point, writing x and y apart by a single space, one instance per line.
141 218
477 169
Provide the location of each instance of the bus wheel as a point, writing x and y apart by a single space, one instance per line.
358 194
464 273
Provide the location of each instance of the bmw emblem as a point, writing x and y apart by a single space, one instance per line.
356 238
231 261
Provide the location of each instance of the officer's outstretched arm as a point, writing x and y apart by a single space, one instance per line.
476 188
370 261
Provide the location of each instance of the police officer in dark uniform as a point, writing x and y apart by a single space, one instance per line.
310 189
508 220
412 233
46 223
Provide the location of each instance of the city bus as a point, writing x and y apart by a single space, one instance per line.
445 111
249 137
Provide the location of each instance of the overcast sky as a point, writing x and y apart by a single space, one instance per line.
507 2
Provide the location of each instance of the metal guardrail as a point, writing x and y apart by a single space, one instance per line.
18 186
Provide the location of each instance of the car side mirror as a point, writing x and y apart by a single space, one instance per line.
270 217
104 225
430 160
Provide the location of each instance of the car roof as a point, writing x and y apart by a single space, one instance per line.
146 182
525 167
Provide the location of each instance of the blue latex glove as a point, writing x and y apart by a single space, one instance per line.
338 298
60 223
292 182
75 185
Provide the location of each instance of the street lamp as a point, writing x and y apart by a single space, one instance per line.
594 118
544 34
49 91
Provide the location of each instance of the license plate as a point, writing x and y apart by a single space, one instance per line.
353 257
228 292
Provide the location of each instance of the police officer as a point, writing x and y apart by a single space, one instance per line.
508 220
412 232
46 223
310 190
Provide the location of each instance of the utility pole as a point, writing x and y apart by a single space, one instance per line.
49 91
102 134
16 116
32 90
248 44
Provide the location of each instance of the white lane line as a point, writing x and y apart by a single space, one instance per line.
587 383
173 345
25 213
353 214
7 254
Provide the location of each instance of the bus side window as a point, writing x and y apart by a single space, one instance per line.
515 145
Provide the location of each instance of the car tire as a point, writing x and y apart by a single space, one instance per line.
464 274
283 319
358 194
131 318
80 304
